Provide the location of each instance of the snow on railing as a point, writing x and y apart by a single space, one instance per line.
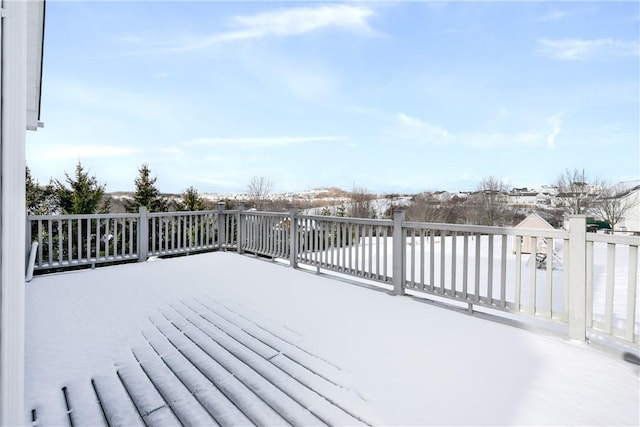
585 281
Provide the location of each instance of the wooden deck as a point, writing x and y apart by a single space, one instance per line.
203 363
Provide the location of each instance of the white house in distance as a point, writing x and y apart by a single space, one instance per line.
631 198
21 34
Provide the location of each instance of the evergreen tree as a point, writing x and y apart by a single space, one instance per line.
86 195
191 200
38 199
146 193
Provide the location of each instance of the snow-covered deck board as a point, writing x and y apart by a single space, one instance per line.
197 367
229 338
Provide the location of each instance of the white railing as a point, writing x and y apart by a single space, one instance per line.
585 281
66 241
510 269
73 240
612 285
357 247
265 233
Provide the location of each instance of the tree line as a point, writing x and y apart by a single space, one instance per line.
81 193
577 193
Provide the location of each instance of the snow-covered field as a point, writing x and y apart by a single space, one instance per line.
415 364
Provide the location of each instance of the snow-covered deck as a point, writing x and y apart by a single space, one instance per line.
245 341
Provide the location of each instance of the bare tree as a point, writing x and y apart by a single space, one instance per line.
489 201
576 191
611 204
361 203
258 189
425 207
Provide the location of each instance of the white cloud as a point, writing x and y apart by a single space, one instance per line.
421 131
285 22
266 142
69 151
306 19
555 123
554 15
575 49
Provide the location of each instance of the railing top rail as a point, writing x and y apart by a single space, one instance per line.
508 231
182 213
610 238
363 221
265 213
82 216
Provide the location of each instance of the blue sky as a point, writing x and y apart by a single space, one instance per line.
398 96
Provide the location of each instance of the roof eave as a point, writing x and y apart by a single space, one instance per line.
35 55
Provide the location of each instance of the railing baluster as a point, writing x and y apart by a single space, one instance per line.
465 266
412 258
549 265
378 231
443 266
69 241
60 240
422 266
490 270
40 262
79 240
89 239
50 240
454 258
131 238
632 284
106 238
518 243
477 268
384 253
503 272
565 281
532 274
611 272
432 263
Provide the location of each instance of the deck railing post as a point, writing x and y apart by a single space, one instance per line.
399 252
577 277
222 226
240 225
143 234
293 237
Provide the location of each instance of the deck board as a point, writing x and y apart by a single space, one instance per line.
202 363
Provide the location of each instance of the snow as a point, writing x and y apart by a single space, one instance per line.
414 363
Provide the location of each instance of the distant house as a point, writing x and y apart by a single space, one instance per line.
536 222
631 219
442 196
523 198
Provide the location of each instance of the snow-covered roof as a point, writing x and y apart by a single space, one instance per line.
406 362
